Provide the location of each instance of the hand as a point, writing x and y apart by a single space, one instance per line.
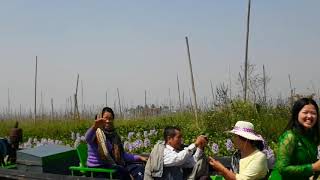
216 164
143 158
201 141
316 166
99 123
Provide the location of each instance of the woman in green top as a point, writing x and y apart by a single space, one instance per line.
297 149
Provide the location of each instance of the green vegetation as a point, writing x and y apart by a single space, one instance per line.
269 121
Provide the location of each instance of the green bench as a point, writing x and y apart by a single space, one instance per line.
82 151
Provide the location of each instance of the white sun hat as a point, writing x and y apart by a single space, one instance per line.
246 129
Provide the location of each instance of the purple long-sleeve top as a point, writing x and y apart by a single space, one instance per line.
93 153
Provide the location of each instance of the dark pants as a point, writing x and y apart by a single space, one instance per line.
123 173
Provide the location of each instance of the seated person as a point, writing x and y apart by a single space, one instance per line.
167 159
253 163
118 157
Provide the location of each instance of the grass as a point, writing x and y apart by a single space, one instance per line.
269 122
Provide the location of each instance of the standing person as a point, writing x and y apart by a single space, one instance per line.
253 163
297 149
168 158
119 157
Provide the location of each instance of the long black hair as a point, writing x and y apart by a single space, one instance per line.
294 122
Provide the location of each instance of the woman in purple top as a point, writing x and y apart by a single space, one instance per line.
115 149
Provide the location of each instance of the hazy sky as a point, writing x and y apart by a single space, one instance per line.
140 45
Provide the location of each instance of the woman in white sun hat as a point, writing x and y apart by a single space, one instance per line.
253 162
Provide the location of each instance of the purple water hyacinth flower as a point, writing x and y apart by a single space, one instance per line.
130 134
138 143
215 148
130 147
146 142
229 145
82 138
270 156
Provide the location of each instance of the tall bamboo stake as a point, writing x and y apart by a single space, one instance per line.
246 55
52 112
264 85
193 87
212 93
170 101
35 92
145 98
183 98
179 93
291 91
119 102
230 93
76 108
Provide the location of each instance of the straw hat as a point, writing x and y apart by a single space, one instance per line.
246 129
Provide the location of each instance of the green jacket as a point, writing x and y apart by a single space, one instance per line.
295 155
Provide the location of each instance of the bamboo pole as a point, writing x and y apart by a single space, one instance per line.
246 54
212 92
291 91
179 93
52 112
35 92
145 99
183 98
119 103
76 108
264 85
193 86
230 93
170 101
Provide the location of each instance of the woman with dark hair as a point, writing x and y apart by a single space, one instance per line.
297 149
117 157
253 163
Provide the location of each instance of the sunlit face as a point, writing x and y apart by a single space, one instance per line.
109 121
175 141
307 116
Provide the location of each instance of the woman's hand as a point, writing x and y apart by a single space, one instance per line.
99 123
216 164
142 158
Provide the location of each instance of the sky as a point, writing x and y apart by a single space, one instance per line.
139 46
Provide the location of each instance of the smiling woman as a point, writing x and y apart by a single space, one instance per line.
297 152
105 149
